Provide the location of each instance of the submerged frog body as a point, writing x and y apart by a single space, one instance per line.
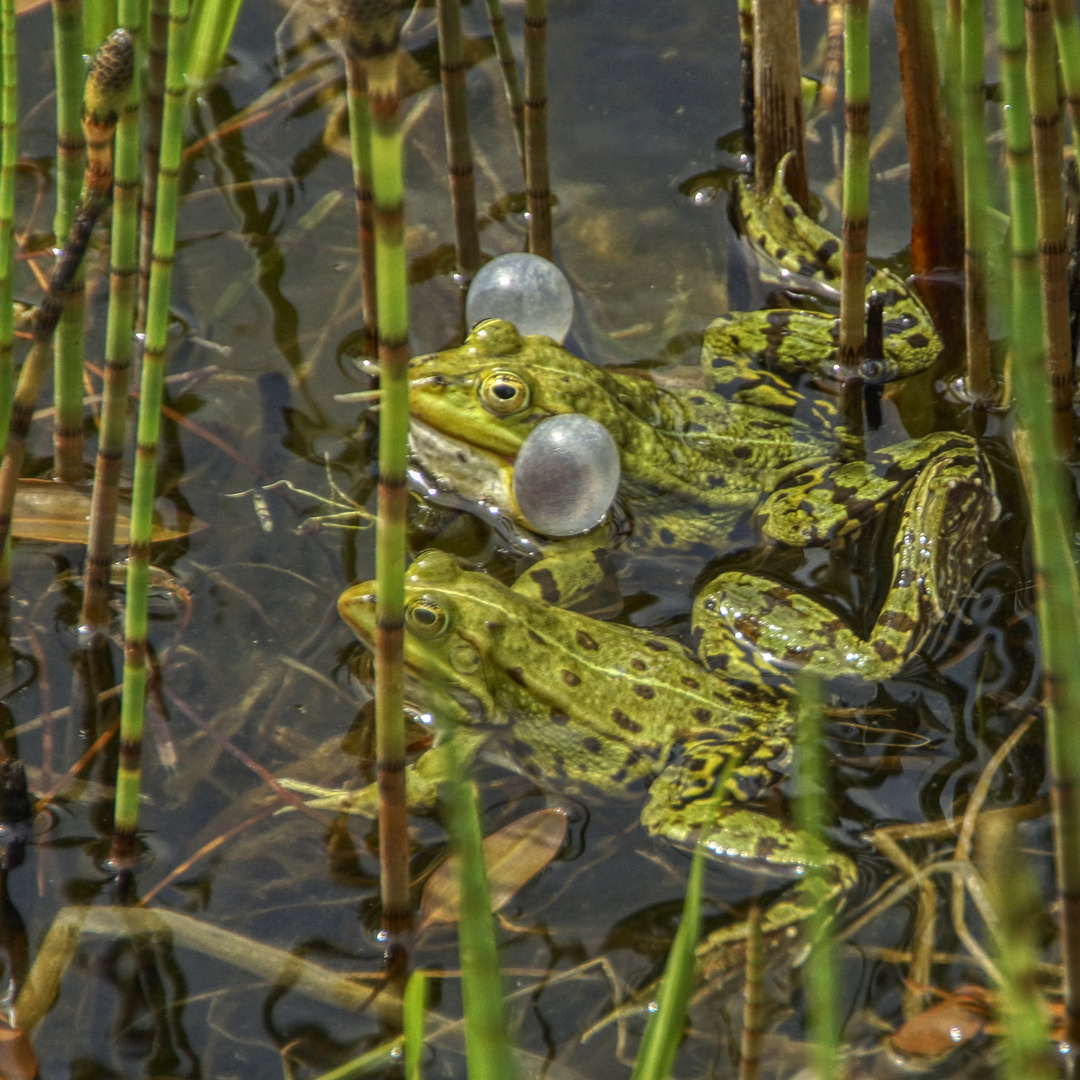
696 463
598 707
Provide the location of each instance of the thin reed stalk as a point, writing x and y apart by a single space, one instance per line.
211 33
155 104
415 1006
753 1017
360 148
537 182
107 86
856 197
820 975
1042 89
9 132
973 137
1067 31
511 81
1025 1042
99 21
459 161
118 342
71 156
778 100
936 233
373 25
746 74
128 775
1057 591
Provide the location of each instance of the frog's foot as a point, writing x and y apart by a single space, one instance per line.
809 259
833 500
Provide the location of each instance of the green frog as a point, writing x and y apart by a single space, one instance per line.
605 709
746 447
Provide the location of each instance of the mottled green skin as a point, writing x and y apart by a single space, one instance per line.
695 462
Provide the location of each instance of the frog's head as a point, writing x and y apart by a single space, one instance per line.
472 407
449 613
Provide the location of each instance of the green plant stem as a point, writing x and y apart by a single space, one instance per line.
973 106
459 161
155 104
1057 592
746 74
150 392
106 91
537 181
753 999
511 80
1042 89
68 359
118 339
1067 31
211 33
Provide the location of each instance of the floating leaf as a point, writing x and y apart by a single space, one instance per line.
60 513
949 1023
512 856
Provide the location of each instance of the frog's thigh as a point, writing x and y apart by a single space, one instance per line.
774 627
570 575
836 499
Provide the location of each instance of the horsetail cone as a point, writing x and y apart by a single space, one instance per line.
108 82
369 28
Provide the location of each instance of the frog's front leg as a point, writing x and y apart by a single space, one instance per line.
422 780
830 501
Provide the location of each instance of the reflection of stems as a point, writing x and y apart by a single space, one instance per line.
537 183
1057 592
125 226
106 88
511 82
142 501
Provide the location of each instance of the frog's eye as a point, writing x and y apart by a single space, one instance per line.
425 618
503 393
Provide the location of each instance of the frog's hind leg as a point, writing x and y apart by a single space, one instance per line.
824 503
740 618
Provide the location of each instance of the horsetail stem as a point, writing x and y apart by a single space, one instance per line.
150 391
1067 31
537 182
155 104
71 154
511 81
107 86
9 126
459 161
973 137
210 36
856 196
360 146
1057 592
1042 89
373 27
118 338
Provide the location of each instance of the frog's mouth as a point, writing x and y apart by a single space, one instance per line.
480 475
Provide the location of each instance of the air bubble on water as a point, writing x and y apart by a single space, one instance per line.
566 475
526 290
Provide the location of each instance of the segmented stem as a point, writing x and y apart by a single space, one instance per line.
360 143
1057 591
150 392
107 85
537 181
9 130
753 1017
155 104
1067 31
1042 88
459 161
371 27
746 74
118 339
973 105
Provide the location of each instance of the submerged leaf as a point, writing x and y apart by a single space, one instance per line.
512 856
944 1026
60 513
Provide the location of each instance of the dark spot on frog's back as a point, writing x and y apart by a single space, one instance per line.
592 745
742 452
643 691
638 664
624 721
656 646
687 681
667 536
697 399
917 340
701 715
517 675
570 678
493 626
534 636
828 250
559 719
545 582
585 641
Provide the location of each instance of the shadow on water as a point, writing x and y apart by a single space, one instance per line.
259 666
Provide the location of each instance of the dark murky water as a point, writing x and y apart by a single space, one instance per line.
266 298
